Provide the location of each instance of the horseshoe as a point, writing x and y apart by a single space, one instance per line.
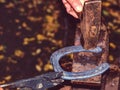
56 56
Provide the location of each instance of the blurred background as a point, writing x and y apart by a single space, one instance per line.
31 30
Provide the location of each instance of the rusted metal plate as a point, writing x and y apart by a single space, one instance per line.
91 23
90 35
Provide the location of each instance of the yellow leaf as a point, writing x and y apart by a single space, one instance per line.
24 24
40 37
106 4
30 5
8 77
36 52
2 57
49 19
1 47
11 60
34 19
111 58
50 34
112 45
38 68
40 62
25 43
22 9
115 14
48 67
19 53
2 82
31 39
60 42
17 20
2 1
27 40
10 5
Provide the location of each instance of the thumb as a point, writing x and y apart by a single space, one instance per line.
76 5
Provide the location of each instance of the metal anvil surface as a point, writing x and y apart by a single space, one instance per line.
90 29
91 33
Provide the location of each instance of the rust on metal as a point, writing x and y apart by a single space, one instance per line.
92 34
91 23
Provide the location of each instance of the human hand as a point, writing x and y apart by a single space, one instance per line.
74 6
1 88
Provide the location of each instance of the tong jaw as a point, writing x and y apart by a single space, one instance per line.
41 82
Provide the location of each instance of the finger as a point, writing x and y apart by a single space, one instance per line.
66 4
83 1
76 4
69 9
73 13
64 1
1 88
